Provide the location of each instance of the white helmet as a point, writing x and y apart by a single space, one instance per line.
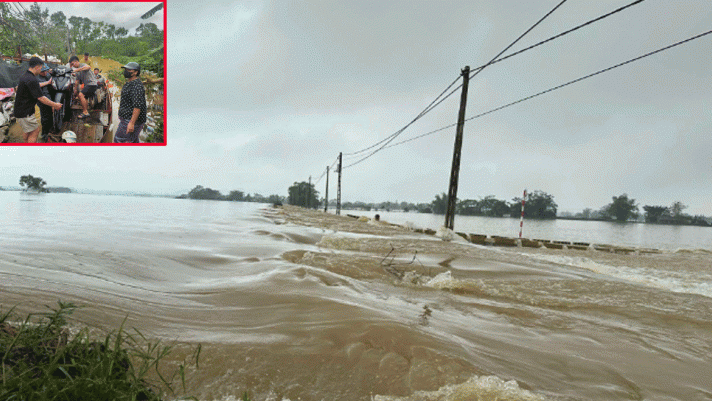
69 137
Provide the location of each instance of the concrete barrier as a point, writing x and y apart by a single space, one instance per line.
497 240
463 235
504 241
527 243
578 247
478 239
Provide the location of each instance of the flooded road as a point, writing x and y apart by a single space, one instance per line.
291 304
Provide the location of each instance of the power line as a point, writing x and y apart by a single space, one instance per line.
324 173
517 40
477 69
589 22
591 75
558 87
421 114
395 135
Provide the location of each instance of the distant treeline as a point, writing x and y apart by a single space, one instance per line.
200 192
541 205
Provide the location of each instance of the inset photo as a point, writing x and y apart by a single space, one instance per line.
82 73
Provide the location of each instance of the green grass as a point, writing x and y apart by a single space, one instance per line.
42 361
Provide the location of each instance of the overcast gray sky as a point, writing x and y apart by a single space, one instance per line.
121 14
265 93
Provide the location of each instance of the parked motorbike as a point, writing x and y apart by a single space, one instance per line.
61 91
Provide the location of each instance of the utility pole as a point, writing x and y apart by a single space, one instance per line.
309 194
455 173
521 219
338 189
326 193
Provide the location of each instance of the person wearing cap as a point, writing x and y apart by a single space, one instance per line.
86 76
45 79
132 108
28 94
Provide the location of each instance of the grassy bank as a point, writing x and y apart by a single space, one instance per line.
43 360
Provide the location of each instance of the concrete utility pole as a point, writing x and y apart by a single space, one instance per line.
309 194
326 193
455 172
338 189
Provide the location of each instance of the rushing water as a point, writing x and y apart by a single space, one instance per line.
301 305
600 232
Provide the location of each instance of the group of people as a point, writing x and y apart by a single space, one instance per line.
33 89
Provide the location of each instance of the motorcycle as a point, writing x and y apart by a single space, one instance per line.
61 91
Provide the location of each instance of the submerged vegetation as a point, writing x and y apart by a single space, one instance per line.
43 360
201 192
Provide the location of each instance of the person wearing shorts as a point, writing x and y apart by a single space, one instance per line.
132 108
28 93
86 76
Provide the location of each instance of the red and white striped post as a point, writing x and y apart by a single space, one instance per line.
521 219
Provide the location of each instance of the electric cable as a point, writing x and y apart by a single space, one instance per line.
558 87
394 136
589 22
421 114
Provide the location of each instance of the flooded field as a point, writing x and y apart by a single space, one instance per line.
292 304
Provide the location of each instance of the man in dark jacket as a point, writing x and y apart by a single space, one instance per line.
28 93
45 80
132 108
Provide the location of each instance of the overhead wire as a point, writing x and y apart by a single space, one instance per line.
437 102
559 86
591 75
589 22
420 115
328 168
395 135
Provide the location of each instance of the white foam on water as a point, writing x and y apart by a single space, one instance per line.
477 388
674 281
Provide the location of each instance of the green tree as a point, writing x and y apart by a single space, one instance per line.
676 212
33 183
622 208
468 207
275 199
151 33
15 29
199 192
654 213
303 194
439 205
491 206
237 196
58 19
538 205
